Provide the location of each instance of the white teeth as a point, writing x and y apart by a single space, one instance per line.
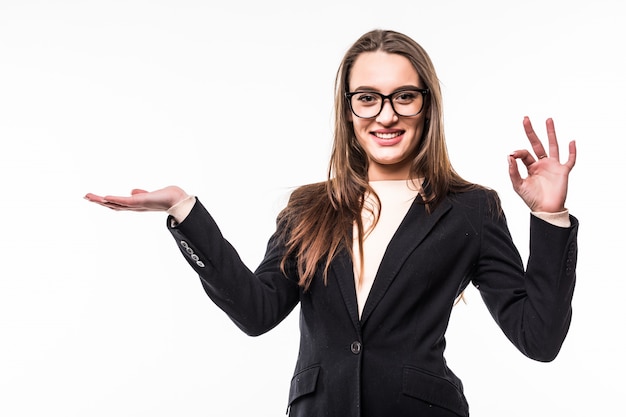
387 135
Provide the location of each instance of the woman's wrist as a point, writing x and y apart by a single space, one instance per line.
182 208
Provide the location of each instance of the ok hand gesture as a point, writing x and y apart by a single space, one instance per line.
545 187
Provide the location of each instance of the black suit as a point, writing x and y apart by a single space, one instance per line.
390 362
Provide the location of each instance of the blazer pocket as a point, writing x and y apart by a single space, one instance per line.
303 383
434 390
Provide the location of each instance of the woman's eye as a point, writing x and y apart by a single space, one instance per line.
406 96
367 98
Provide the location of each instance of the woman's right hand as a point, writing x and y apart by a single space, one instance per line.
141 200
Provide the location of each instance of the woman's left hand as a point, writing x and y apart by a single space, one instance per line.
545 187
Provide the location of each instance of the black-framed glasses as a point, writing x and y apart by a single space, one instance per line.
406 102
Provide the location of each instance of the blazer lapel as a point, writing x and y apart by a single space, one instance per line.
414 228
343 269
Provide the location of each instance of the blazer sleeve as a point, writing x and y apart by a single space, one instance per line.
255 301
533 307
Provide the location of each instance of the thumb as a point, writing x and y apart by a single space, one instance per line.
516 178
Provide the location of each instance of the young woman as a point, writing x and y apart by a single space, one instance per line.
377 254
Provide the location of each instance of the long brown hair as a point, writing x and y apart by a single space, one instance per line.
318 220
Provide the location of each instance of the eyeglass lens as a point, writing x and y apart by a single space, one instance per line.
368 104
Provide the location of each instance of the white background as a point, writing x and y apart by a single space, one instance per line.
99 313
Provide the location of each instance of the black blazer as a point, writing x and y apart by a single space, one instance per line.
390 362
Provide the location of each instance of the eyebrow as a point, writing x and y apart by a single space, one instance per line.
368 88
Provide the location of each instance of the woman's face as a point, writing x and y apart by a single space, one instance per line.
390 141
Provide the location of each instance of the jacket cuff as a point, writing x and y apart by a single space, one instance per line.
560 219
181 210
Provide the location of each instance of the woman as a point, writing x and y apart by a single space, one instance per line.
377 254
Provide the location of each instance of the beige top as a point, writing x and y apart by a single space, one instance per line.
396 196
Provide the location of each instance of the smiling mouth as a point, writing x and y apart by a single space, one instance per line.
386 135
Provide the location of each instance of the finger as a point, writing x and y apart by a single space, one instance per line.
121 207
533 138
571 160
134 201
93 198
524 156
553 144
101 201
137 191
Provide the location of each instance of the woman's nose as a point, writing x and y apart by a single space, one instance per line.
387 114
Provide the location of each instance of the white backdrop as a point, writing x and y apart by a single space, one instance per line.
99 313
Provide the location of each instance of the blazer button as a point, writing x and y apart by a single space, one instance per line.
355 347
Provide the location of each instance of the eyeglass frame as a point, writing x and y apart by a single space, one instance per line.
423 91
